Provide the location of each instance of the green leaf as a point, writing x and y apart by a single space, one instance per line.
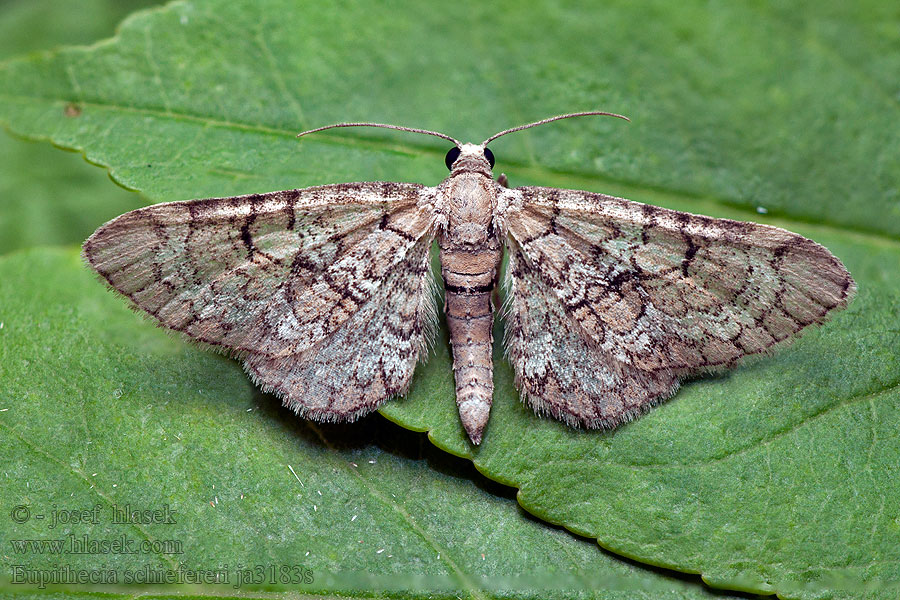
101 409
780 476
47 198
72 208
740 104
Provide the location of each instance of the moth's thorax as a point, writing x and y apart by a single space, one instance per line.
470 195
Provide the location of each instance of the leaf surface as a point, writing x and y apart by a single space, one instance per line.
103 414
45 197
779 477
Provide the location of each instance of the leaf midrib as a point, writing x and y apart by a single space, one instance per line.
535 172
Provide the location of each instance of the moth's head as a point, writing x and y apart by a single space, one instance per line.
470 158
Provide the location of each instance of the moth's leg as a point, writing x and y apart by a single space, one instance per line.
502 180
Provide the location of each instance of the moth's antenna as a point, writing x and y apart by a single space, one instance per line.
397 127
549 119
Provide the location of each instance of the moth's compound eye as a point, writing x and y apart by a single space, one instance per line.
451 157
490 156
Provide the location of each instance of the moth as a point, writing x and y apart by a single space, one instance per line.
326 295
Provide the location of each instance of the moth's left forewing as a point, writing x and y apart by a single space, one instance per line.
655 295
325 292
376 303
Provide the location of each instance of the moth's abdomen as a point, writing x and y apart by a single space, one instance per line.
469 280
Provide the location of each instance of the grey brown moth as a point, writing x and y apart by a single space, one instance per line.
326 294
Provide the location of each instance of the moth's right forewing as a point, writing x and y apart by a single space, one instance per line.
559 371
655 295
